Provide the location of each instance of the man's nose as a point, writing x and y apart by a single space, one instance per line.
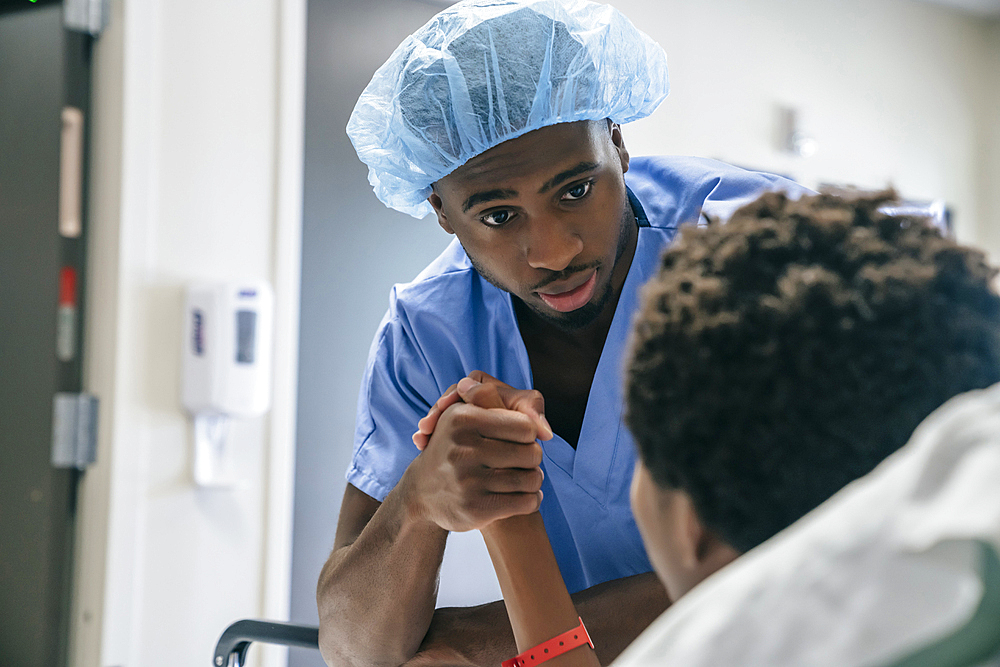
552 244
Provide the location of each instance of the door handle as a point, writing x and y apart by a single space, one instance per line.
71 173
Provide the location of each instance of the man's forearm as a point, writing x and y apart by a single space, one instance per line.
615 613
376 596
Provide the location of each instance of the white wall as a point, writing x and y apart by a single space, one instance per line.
891 90
988 233
190 122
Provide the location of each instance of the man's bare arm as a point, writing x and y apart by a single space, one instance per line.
615 613
377 590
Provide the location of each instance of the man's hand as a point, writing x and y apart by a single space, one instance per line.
480 460
495 394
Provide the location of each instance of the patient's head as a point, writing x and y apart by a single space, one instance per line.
784 354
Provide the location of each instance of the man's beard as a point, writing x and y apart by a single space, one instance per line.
586 314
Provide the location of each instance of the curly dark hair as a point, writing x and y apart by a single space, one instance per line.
787 352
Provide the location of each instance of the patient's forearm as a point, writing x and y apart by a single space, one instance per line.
615 612
538 604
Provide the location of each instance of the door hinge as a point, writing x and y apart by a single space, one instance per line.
74 430
90 16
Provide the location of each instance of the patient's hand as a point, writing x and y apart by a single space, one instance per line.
484 390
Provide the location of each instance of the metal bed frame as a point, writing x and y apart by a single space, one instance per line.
231 649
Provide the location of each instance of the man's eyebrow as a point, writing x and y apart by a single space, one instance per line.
568 174
485 196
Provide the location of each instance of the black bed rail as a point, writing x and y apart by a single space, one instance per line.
231 649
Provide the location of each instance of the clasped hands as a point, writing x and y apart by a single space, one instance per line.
480 459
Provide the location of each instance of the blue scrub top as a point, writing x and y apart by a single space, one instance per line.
449 322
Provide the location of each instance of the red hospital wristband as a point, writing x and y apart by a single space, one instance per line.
547 650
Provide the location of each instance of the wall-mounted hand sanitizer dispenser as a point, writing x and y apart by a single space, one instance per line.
227 367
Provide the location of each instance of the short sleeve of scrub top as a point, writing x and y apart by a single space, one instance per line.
449 321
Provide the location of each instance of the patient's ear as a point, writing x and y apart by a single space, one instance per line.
701 552
682 551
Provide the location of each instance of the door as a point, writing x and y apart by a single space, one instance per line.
43 69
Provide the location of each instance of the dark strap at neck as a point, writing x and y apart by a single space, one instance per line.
640 213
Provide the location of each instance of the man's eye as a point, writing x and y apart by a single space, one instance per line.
577 191
496 218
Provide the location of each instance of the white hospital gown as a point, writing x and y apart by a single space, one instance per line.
890 564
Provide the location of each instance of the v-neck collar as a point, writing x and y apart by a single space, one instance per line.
591 463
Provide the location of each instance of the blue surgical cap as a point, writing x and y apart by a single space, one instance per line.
485 71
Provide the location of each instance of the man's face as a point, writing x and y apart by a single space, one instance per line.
546 218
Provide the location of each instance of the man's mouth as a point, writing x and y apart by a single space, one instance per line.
567 297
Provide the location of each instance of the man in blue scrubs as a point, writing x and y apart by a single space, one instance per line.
503 119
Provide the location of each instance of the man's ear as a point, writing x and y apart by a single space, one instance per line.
619 143
435 201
